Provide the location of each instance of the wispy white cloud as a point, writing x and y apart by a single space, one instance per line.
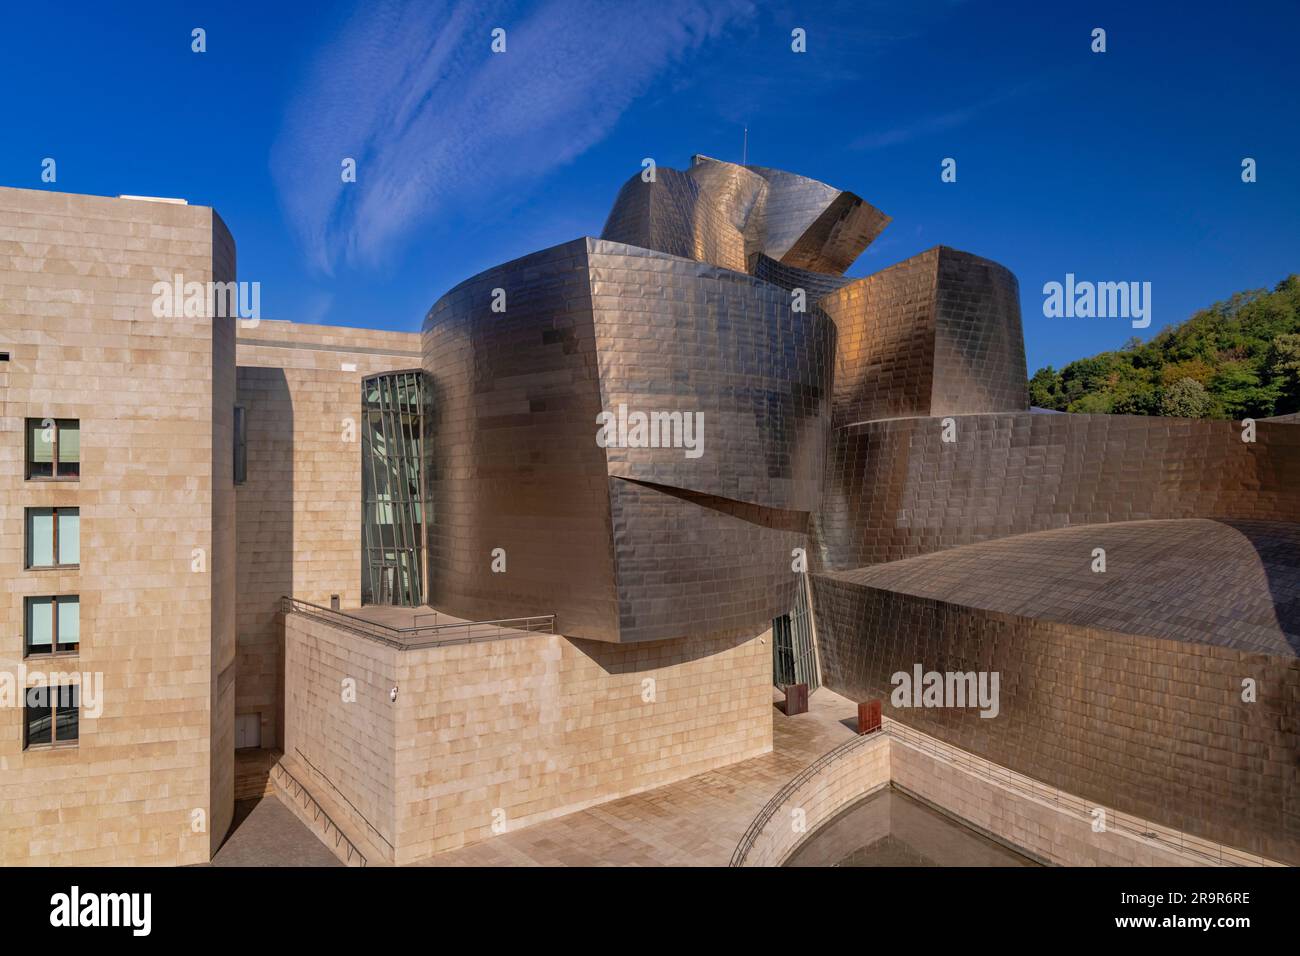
435 120
947 120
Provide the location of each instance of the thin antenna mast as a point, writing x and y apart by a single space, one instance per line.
744 150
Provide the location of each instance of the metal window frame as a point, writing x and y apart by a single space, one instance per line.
794 644
57 648
54 538
54 708
239 453
392 479
30 451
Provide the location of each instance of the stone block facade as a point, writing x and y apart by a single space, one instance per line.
299 508
514 731
150 777
1050 826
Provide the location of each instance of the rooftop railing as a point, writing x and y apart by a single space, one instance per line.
423 635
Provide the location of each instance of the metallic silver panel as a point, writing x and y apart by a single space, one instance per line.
810 225
623 544
725 214
1121 695
673 334
513 464
937 334
1124 687
895 489
817 285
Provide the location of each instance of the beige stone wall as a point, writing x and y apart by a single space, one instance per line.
76 278
299 512
340 736
543 725
534 726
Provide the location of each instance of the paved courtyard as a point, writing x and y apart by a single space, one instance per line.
693 822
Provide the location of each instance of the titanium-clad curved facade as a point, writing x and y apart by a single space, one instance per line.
810 225
626 541
725 214
682 335
1126 688
895 489
816 285
937 334
681 313
885 427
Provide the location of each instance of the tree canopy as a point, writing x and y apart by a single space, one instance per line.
1236 359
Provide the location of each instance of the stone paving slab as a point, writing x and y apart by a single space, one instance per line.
270 835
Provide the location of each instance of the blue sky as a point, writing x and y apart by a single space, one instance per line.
1116 166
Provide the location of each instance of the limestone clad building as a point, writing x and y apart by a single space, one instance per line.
533 557
117 533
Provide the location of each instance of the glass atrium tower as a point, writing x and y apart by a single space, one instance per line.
392 443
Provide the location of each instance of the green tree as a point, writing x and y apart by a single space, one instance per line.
1093 403
1284 369
1243 352
1186 398
1135 397
1239 392
1045 390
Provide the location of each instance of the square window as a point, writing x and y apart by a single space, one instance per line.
51 716
51 625
53 537
53 449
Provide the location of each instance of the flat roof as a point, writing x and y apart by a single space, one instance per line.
413 628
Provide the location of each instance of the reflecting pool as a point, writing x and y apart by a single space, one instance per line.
890 828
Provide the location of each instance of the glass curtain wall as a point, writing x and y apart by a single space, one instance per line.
392 446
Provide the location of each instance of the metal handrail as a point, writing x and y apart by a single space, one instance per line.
756 826
317 812
424 635
342 796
